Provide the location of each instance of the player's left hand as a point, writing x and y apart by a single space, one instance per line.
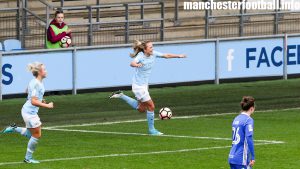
252 163
182 56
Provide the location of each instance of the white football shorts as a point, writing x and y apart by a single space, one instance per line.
31 121
141 92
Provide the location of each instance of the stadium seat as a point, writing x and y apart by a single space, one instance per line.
12 44
1 47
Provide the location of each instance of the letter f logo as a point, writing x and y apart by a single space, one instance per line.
230 58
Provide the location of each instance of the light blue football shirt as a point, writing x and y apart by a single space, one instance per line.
242 150
35 89
142 74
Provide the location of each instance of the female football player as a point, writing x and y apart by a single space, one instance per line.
242 151
143 62
30 110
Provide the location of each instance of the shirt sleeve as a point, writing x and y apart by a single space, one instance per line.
158 54
34 88
249 137
249 127
251 146
138 58
54 38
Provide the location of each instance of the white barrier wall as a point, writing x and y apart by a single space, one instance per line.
15 76
109 67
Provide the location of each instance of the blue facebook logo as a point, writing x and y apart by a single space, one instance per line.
273 57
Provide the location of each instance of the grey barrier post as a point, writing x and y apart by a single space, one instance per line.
162 24
90 34
142 10
24 22
98 11
241 26
217 60
276 19
18 21
285 43
74 71
0 76
47 23
127 23
176 12
206 23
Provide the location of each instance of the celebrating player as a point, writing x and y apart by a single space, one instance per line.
30 110
143 62
242 151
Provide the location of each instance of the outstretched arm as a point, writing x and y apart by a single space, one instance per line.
169 55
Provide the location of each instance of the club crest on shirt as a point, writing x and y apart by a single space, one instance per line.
250 128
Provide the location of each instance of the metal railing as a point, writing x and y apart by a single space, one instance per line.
249 24
30 27
10 23
121 23
122 30
34 26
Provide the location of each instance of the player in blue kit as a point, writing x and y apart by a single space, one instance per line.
143 62
30 110
242 155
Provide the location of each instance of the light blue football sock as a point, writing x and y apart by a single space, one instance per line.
23 131
32 144
132 102
150 119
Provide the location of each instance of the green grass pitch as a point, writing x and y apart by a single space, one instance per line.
113 136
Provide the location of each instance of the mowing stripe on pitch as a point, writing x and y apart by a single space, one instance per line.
133 121
178 117
125 155
166 135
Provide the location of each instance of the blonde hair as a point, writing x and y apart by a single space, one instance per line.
138 47
34 68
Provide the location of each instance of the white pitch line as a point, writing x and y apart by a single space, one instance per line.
172 136
133 121
128 154
136 134
95 124
179 117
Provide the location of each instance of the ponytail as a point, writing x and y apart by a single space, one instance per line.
138 47
34 68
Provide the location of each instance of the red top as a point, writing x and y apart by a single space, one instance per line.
51 35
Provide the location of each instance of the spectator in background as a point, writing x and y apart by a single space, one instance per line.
57 30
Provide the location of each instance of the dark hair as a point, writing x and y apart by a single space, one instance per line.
247 102
58 12
138 47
